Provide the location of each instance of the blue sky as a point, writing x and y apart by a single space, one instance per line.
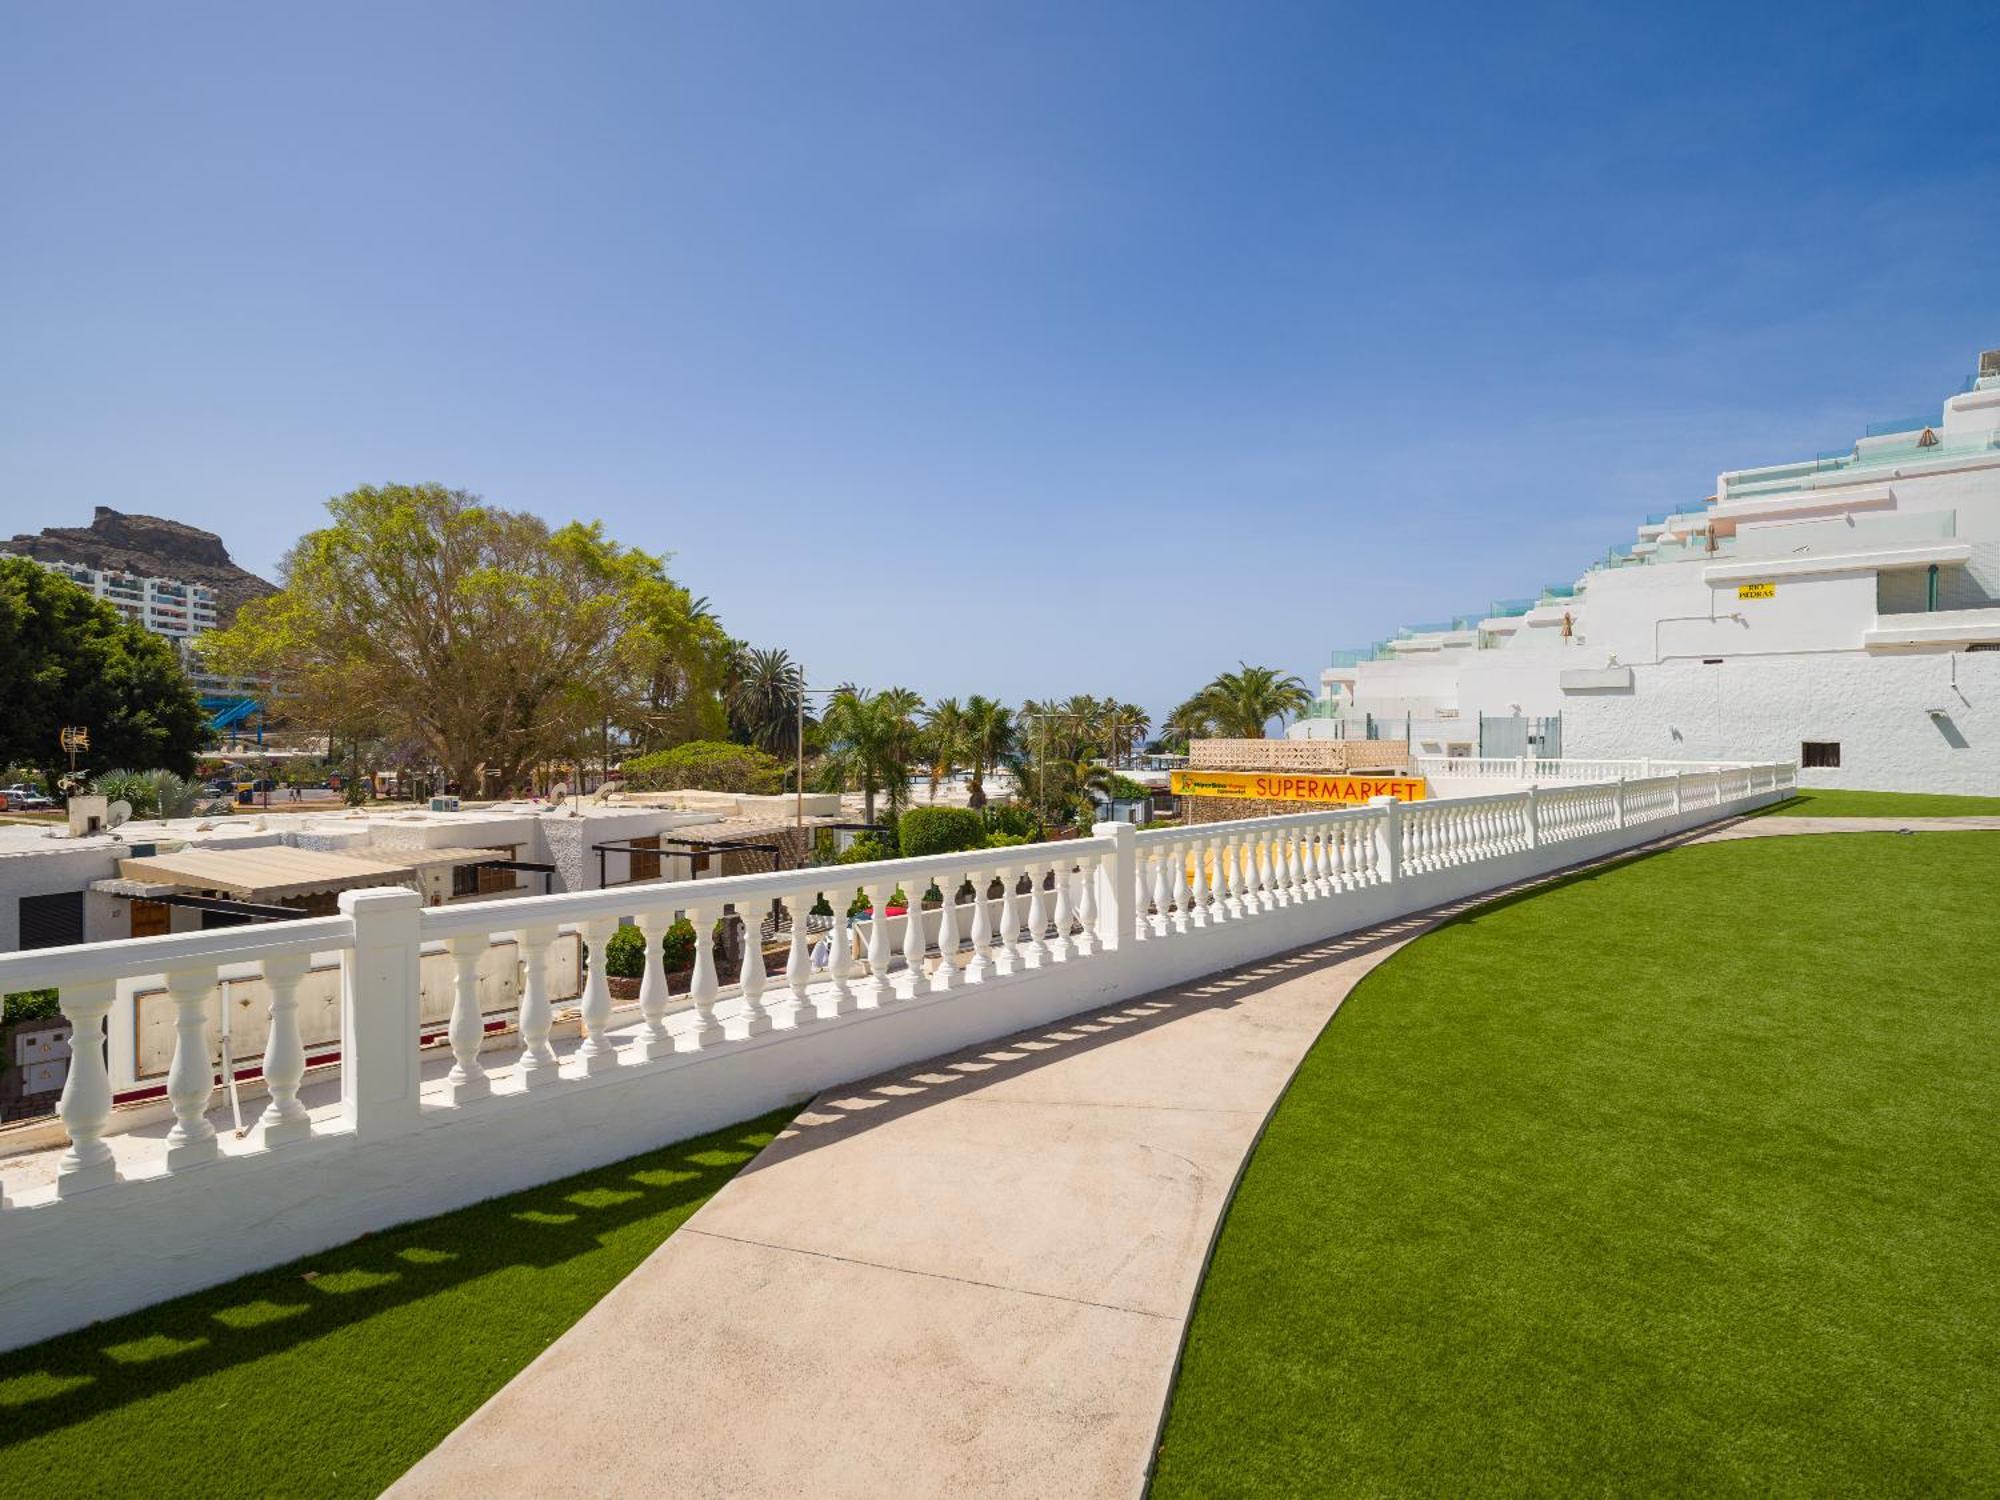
1011 348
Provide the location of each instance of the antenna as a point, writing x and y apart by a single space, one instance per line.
117 813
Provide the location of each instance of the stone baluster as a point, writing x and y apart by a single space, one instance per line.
915 945
467 1079
1035 952
945 975
1161 856
1198 887
655 1040
1178 890
537 1065
1086 912
1264 884
1142 892
597 1054
980 964
702 985
1060 946
877 990
840 955
191 1075
1008 959
798 960
754 1020
1295 884
85 1105
1228 878
284 1118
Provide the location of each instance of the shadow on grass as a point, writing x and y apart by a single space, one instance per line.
69 1379
848 1111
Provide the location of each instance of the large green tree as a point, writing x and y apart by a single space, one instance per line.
482 635
66 658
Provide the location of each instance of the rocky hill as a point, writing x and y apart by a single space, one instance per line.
149 545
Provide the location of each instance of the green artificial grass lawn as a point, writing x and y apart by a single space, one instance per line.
1675 1178
1833 803
334 1374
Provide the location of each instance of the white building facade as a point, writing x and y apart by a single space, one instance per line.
1843 612
172 607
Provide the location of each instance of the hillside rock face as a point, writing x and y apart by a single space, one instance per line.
151 546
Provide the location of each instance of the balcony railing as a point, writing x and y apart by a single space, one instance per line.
985 943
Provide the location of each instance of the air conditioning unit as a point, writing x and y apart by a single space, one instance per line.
444 804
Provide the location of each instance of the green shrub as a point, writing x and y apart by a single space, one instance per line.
1125 789
1008 840
625 954
28 1005
707 765
866 849
1012 818
940 830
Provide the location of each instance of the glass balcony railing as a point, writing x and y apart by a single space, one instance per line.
1506 609
1758 484
1899 424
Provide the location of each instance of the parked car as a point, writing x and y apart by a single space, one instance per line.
23 799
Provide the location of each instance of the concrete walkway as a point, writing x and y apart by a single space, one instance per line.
968 1278
1755 828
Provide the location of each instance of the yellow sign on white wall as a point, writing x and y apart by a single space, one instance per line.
1763 590
1292 786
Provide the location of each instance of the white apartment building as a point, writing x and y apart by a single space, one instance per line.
171 607
1842 611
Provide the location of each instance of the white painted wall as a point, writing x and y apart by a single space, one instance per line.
1876 707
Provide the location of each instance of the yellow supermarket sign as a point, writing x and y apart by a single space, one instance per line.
1766 590
1291 786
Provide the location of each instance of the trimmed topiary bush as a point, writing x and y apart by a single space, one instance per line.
939 830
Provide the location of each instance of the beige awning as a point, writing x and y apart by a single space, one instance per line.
269 873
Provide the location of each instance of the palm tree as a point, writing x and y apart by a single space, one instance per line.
1243 703
764 693
871 742
944 740
1192 720
991 737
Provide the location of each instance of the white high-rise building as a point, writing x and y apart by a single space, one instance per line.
1842 611
171 607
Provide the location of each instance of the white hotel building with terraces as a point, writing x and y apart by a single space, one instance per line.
1842 612
172 607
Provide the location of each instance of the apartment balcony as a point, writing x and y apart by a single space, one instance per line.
1935 630
1898 540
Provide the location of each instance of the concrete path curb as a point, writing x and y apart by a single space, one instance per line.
970 1277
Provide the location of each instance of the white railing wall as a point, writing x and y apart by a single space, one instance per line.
1529 768
1032 934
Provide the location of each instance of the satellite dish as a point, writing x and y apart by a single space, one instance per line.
117 813
558 794
606 792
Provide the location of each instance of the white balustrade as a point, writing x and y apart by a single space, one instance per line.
537 1066
285 1118
597 1054
1007 919
191 1075
85 1106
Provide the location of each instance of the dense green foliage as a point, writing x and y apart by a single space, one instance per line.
625 953
1563 1203
710 765
1013 820
152 794
332 1375
66 658
939 830
29 1005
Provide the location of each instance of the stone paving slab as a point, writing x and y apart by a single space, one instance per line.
1771 827
969 1277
